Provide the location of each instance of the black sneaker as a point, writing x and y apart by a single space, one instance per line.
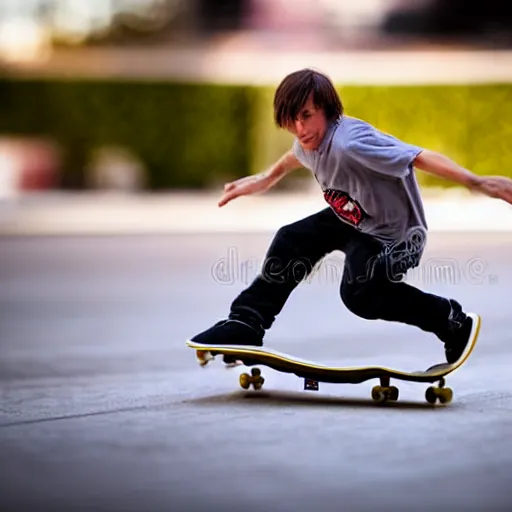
231 332
459 333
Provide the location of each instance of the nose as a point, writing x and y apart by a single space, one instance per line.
299 128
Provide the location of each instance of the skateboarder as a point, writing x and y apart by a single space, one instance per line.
374 215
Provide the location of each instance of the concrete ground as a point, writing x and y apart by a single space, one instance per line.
103 407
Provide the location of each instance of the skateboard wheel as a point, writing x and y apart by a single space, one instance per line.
255 372
258 383
376 391
383 394
445 395
230 361
380 394
245 380
393 393
431 395
233 364
203 357
434 394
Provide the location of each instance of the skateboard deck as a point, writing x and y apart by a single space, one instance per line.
313 372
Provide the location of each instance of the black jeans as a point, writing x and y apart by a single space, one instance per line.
371 285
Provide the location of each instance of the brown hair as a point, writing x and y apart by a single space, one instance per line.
293 92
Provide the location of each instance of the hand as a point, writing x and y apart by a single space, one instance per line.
243 186
499 187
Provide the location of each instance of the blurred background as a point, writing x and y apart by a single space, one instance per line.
161 95
127 117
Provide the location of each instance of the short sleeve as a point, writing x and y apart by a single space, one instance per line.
303 156
380 152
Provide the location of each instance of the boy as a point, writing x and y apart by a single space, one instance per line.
374 216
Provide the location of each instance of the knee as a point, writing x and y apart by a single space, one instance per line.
288 233
293 243
359 300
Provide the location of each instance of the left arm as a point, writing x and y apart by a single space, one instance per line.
435 163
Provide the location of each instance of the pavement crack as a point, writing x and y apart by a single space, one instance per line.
81 415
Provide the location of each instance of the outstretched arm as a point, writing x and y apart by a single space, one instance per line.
260 182
440 165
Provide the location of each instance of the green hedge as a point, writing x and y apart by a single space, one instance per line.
187 135
470 124
195 135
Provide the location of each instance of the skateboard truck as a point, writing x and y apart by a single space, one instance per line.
441 393
311 385
385 393
254 379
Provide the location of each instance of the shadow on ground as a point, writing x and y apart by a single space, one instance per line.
284 398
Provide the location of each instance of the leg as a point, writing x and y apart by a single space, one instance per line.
371 290
292 255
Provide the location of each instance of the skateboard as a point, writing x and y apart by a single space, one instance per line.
313 373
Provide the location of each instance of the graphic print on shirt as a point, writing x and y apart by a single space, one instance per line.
345 207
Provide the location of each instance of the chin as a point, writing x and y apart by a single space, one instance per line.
310 146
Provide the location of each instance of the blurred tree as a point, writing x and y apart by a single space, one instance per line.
453 18
105 21
220 15
153 21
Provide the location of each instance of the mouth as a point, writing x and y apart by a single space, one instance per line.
306 140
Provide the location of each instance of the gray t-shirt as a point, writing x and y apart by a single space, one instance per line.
367 178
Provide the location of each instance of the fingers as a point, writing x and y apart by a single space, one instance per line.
499 188
226 198
229 194
502 188
233 189
507 196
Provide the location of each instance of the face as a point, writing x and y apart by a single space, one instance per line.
310 126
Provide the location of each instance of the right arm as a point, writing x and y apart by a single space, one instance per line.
260 182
